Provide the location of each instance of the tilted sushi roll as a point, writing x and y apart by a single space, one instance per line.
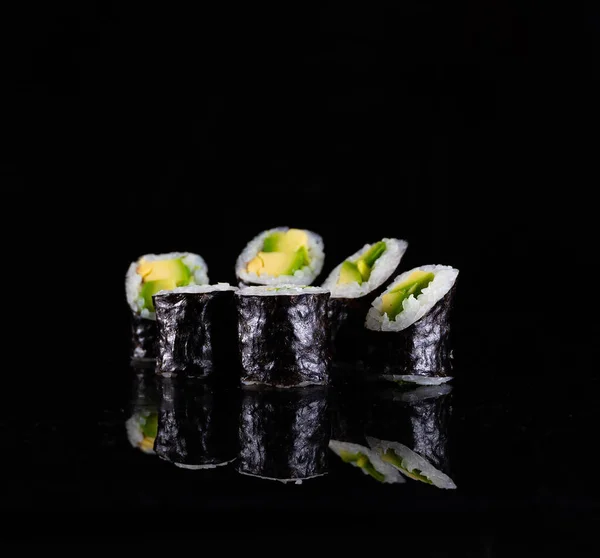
147 276
196 329
142 423
354 284
410 322
197 424
284 337
409 430
281 255
283 434
367 460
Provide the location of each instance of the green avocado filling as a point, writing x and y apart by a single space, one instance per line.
359 271
362 461
283 253
391 457
413 285
162 275
150 426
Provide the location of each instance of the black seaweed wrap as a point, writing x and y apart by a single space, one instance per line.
143 338
284 434
284 340
195 332
422 349
197 424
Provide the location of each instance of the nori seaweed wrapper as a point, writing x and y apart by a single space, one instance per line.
418 419
196 332
197 423
284 340
422 349
143 338
284 434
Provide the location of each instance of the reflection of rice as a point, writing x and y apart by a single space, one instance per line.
415 379
202 467
136 437
409 463
388 472
283 481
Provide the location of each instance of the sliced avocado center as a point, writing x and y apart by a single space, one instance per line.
391 457
413 285
162 275
283 253
362 461
360 270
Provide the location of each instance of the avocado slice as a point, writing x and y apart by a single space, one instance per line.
362 461
278 263
349 273
365 270
413 285
288 242
391 457
374 253
150 288
173 269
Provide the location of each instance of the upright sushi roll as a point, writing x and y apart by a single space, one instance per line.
283 335
197 327
354 284
147 276
410 325
281 256
283 435
197 424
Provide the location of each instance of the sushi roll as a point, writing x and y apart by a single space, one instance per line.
197 424
147 276
281 256
283 434
196 327
409 326
367 460
141 426
283 335
409 430
354 284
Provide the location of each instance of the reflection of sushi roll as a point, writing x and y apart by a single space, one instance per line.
418 420
142 424
411 325
196 327
283 435
281 256
367 460
354 284
283 335
197 424
147 276
409 463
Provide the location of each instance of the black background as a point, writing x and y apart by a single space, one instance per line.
467 129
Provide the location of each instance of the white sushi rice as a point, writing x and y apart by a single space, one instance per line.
199 289
411 461
304 276
133 280
391 474
414 308
279 290
416 379
383 267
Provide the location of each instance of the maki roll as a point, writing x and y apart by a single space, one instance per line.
197 424
354 284
141 426
367 460
196 328
281 256
410 326
409 431
147 276
283 435
283 335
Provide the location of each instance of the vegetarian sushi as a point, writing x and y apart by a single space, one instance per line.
147 276
197 326
284 338
409 337
281 256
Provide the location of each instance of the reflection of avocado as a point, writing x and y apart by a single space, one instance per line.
360 270
278 263
288 242
349 273
150 288
173 269
150 427
394 459
413 285
362 461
